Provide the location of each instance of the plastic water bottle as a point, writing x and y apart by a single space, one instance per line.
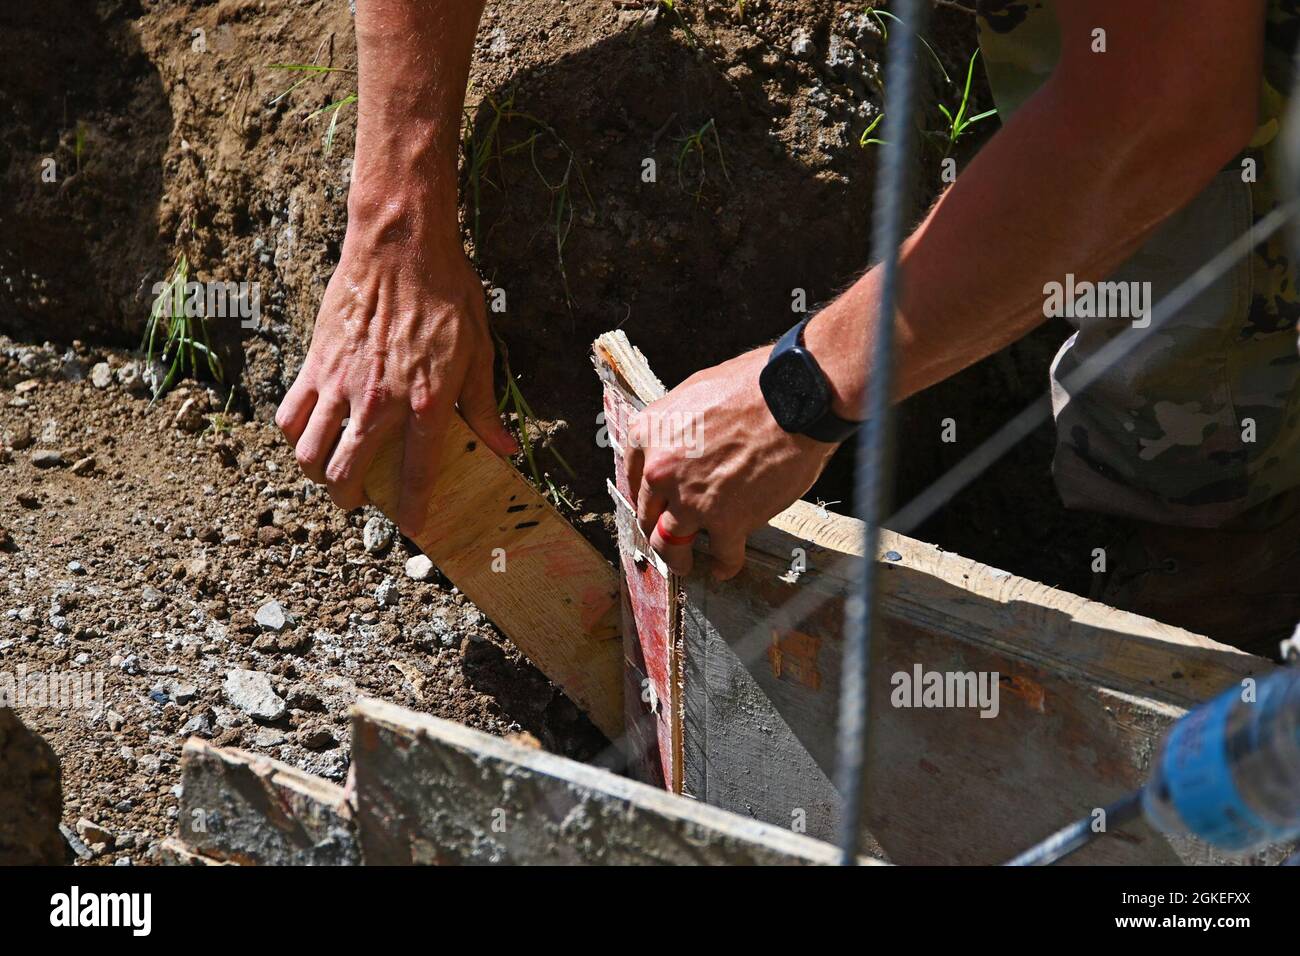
1229 772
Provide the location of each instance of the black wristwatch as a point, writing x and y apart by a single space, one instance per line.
797 392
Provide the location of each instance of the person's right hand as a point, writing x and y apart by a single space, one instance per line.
401 337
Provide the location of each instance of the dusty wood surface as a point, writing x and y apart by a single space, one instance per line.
238 807
433 791
501 543
1085 692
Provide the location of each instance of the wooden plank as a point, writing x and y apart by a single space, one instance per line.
652 656
430 791
239 807
507 548
1085 691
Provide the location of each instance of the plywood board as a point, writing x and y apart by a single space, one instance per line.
538 580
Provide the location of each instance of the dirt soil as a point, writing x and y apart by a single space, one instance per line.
170 135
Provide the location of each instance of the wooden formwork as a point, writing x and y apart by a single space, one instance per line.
430 791
739 684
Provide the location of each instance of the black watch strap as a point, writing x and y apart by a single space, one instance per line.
829 427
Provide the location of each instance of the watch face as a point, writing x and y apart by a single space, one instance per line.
794 389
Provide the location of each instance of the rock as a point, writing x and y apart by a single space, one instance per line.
268 737
130 378
419 568
318 738
151 599
27 386
93 833
271 617
28 500
19 438
181 692
31 798
386 594
76 567
83 466
378 534
802 45
190 418
101 376
114 720
7 542
48 458
251 693
200 725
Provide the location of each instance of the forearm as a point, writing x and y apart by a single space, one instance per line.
413 65
1075 182
1047 196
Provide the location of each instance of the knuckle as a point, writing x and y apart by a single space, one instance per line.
306 457
374 397
423 402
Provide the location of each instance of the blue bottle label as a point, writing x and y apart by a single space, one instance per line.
1200 781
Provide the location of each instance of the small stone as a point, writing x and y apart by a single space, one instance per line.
271 617
251 693
419 568
48 458
378 534
7 542
181 692
20 437
318 739
83 466
151 599
268 737
386 594
93 833
114 720
190 418
199 725
30 385
101 376
76 567
131 379
802 45
28 500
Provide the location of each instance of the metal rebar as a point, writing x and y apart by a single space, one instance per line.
892 205
1079 834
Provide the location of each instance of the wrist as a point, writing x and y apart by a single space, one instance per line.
837 346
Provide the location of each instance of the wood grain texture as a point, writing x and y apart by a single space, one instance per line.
1086 692
431 791
538 580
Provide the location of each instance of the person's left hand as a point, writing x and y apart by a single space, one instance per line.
710 456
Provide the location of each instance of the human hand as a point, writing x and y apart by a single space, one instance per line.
401 339
709 455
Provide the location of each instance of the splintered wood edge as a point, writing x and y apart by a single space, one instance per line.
621 364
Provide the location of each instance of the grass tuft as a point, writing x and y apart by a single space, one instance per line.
176 334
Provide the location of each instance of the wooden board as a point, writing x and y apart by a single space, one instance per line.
652 637
431 791
1085 691
246 809
538 580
